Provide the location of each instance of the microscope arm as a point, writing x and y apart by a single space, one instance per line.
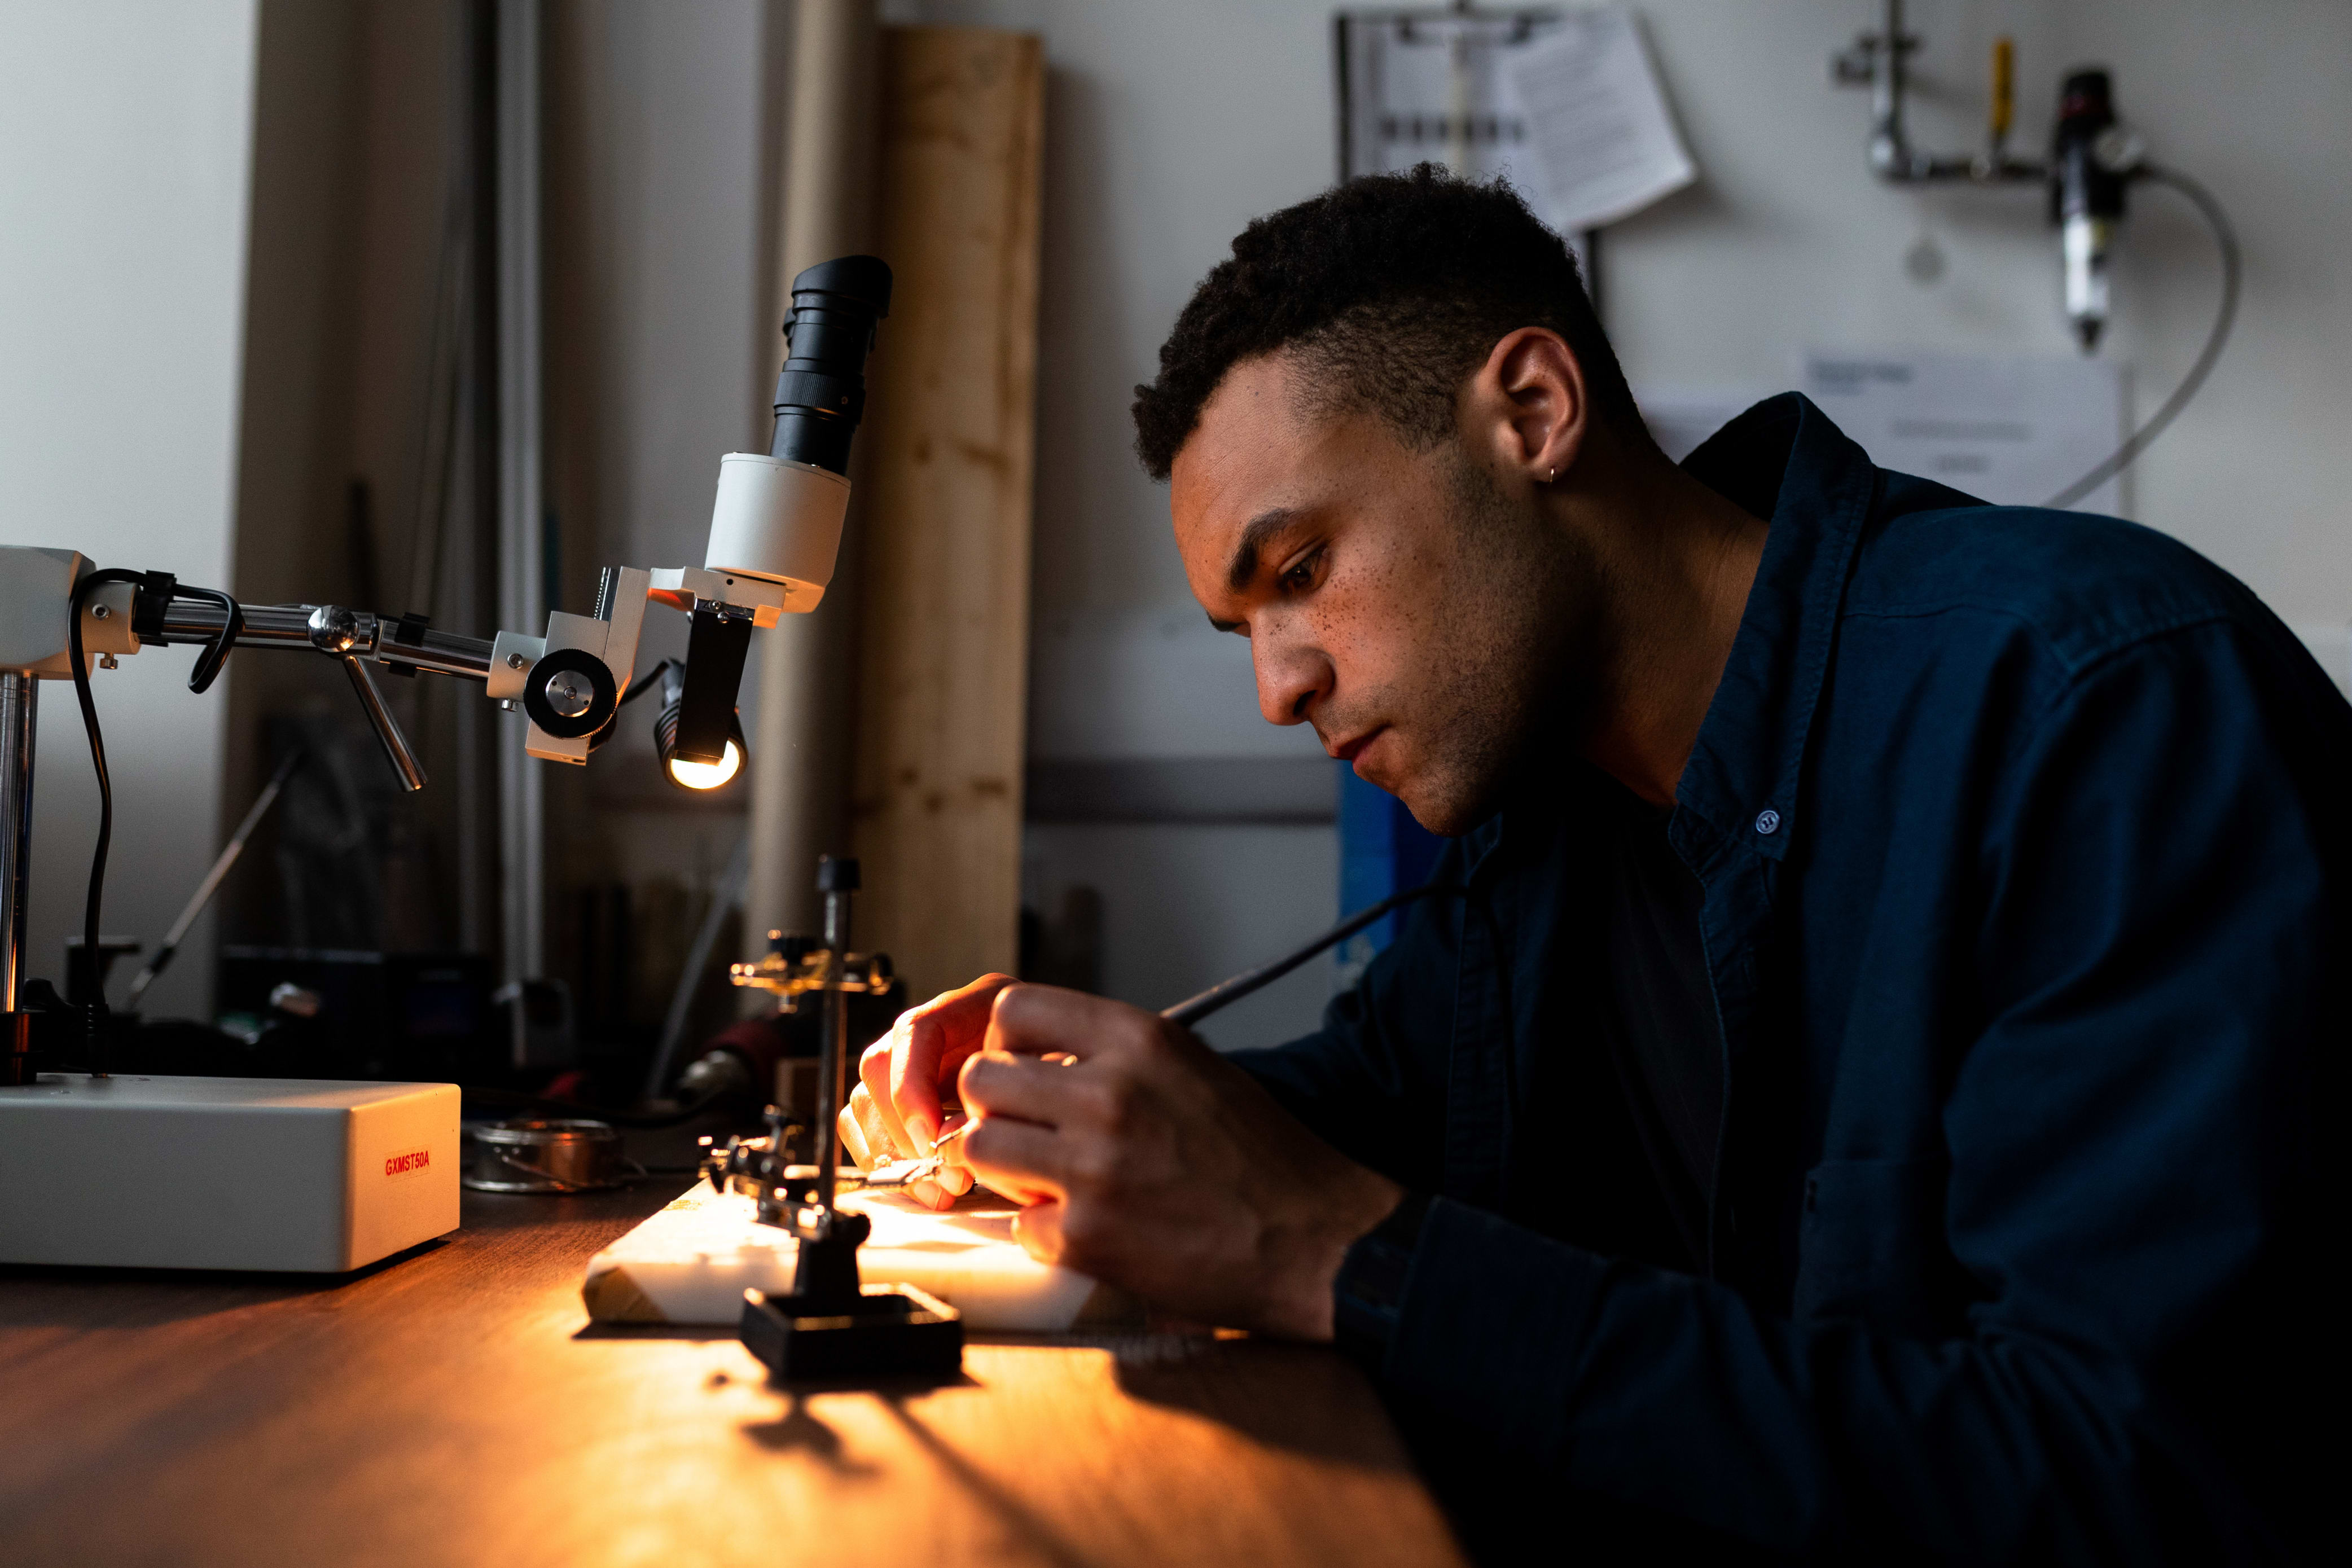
332 630
569 682
352 637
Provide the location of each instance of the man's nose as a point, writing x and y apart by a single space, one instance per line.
1290 679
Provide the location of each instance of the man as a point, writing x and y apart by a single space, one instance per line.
1857 1096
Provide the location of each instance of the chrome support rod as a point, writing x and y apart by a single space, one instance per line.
522 512
18 692
395 745
333 631
833 1064
265 625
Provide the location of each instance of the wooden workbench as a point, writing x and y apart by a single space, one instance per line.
455 1407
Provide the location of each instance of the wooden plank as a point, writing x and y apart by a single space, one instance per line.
451 1408
944 608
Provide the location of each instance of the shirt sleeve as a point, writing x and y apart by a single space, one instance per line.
2133 1193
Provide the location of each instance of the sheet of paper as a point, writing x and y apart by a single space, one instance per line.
1605 141
2015 432
1565 105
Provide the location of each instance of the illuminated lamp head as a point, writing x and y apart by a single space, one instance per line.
691 775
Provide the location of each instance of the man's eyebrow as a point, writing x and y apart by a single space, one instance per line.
1242 570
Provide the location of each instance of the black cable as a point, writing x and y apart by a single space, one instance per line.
638 687
218 648
1192 1010
94 1031
2232 267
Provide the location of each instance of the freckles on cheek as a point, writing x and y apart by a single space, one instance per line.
1357 617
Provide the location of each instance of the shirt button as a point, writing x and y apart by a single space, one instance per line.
1768 820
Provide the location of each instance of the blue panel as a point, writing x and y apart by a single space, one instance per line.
1383 851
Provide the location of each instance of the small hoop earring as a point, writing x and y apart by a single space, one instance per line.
1554 478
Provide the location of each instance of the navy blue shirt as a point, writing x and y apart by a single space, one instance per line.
1660 1020
2019 837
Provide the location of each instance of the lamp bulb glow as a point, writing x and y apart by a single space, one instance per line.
708 775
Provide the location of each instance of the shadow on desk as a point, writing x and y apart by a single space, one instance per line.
36 1295
1221 1379
449 1410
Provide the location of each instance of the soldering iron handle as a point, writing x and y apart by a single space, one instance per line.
1194 1009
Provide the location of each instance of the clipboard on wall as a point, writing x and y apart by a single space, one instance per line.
1565 104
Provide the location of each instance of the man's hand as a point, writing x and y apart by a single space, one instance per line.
1150 1162
895 1111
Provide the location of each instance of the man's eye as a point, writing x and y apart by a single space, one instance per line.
1301 577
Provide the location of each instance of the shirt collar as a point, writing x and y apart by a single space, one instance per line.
1785 461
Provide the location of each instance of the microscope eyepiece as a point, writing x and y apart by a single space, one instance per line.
821 394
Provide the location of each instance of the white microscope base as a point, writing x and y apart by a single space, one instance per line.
282 1174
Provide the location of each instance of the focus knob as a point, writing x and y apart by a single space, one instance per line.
570 693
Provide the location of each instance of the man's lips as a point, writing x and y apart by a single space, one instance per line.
1348 750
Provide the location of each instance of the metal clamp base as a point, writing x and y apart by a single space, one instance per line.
891 1331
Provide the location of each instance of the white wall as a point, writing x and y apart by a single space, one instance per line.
1786 241
1170 126
663 336
125 143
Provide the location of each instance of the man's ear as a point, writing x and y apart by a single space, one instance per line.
1528 401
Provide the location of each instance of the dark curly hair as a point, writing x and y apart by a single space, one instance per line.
1396 288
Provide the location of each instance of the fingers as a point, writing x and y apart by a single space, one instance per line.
928 1045
998 1084
928 1193
870 1120
1044 1020
872 1095
1038 1229
1017 1158
941 1191
853 1138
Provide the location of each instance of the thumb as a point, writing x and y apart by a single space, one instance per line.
1038 1229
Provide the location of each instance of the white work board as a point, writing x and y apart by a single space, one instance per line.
691 1261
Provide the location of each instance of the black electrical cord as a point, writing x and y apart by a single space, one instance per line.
1192 1010
215 656
94 1031
638 687
2232 268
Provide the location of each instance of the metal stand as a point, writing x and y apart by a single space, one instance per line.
18 692
831 1326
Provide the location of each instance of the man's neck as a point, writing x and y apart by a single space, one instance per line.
1680 561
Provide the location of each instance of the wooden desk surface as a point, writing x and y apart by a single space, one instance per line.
455 1407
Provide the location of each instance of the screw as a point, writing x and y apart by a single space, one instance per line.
515 660
106 662
99 612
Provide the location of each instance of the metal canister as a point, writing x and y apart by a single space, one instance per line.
537 1154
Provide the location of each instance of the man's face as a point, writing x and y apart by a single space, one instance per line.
1407 604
